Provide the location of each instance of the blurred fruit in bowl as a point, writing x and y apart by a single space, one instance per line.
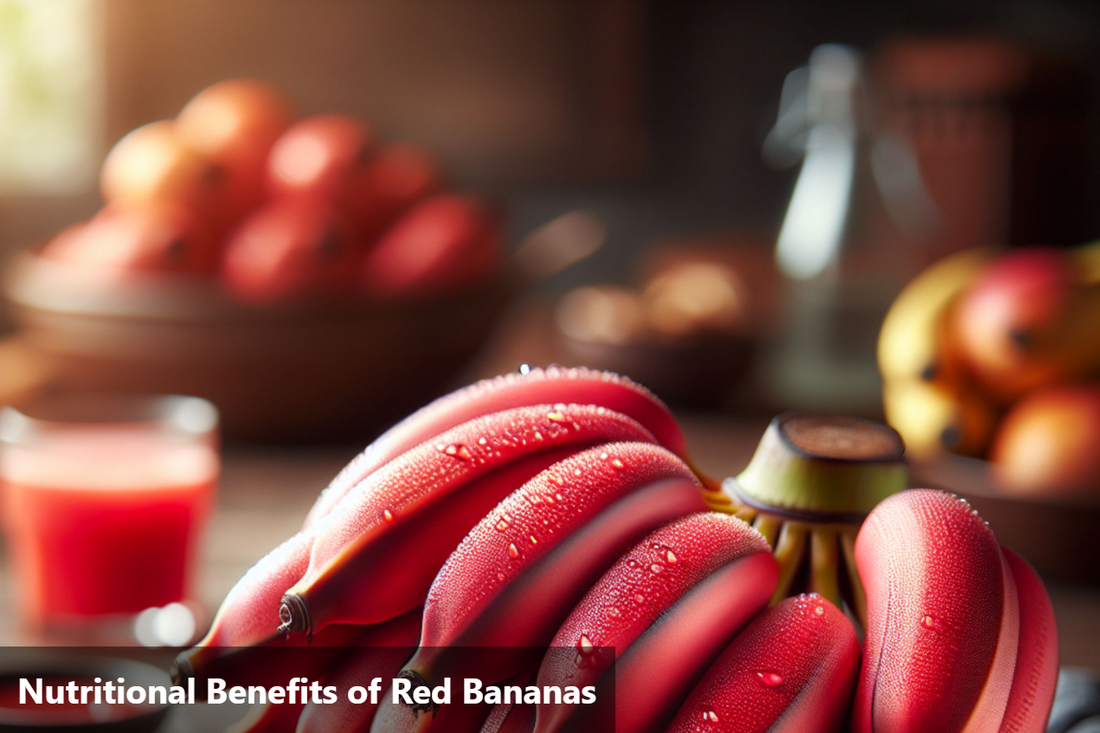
260 262
984 354
685 329
396 177
915 342
322 155
602 314
291 247
154 236
445 243
153 163
233 124
934 418
1050 441
1027 320
694 296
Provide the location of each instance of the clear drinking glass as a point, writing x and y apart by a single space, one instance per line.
104 498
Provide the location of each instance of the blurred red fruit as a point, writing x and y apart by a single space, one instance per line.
154 236
234 124
152 163
397 177
1016 324
323 155
291 247
443 244
1050 442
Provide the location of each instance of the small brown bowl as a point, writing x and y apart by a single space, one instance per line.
311 369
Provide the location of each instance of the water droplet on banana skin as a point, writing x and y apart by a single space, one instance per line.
387 515
502 525
617 463
655 568
524 369
820 610
555 416
513 550
632 563
769 679
931 623
639 599
613 612
709 716
585 644
458 451
482 441
670 557
534 540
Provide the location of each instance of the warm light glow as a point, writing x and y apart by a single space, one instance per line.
51 89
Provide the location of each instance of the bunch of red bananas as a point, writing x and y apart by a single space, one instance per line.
557 509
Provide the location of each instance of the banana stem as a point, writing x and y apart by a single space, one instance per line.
789 551
859 596
294 616
823 564
823 468
768 527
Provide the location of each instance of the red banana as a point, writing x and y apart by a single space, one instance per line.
510 719
399 524
384 649
242 634
456 717
943 620
671 603
1036 673
519 572
791 671
553 385
269 718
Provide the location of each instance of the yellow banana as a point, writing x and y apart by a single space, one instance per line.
934 417
911 344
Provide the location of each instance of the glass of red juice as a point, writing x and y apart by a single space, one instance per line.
104 498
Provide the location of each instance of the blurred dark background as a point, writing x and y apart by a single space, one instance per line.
651 114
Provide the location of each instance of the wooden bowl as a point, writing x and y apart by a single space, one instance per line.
1057 534
310 370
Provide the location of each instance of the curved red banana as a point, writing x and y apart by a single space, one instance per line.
243 624
397 527
671 603
510 719
553 385
519 572
384 649
1036 672
791 671
269 718
942 618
